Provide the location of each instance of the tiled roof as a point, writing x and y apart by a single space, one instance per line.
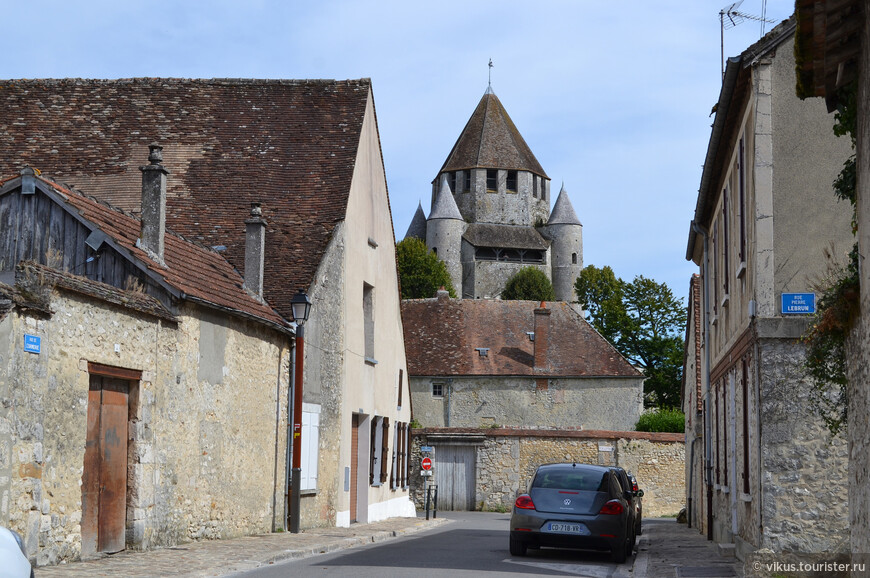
417 228
289 144
505 236
442 336
491 140
444 206
136 300
196 272
563 211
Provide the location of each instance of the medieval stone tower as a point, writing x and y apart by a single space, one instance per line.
491 214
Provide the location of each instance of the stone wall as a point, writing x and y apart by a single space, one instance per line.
588 403
507 459
205 444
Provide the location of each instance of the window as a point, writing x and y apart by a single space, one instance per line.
745 392
491 180
467 181
509 255
401 375
536 185
573 258
716 399
452 181
486 254
511 182
725 269
376 451
741 175
715 257
437 389
399 477
369 322
385 448
725 431
310 445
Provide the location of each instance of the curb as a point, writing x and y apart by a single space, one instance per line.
347 543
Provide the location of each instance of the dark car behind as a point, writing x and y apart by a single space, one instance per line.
573 506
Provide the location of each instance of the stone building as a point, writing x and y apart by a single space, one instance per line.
764 220
308 152
123 359
835 50
491 215
519 364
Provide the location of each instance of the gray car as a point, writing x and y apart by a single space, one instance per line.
573 506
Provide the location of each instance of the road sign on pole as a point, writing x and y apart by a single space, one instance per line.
426 464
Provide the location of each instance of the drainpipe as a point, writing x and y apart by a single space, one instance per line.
698 229
449 395
289 456
757 371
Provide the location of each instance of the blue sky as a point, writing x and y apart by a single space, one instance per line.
613 98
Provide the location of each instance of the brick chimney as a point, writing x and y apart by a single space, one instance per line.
542 336
255 248
153 204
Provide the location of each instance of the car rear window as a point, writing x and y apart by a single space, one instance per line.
592 481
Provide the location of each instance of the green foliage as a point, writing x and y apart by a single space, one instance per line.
825 362
421 272
529 284
667 420
644 321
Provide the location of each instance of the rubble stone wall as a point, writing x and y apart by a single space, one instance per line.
205 444
507 459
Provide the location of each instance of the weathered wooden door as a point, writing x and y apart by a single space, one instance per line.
104 480
455 475
354 464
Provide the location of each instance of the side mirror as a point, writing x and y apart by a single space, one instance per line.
639 493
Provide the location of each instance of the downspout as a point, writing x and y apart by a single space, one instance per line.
289 456
449 395
758 507
708 449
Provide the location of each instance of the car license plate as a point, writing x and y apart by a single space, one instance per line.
566 528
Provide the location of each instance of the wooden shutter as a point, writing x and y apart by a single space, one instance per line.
385 448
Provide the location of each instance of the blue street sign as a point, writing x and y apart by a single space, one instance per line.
427 449
32 343
798 303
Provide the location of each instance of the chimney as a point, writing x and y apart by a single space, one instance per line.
153 204
255 248
442 294
542 335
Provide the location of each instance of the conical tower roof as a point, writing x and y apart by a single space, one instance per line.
444 206
418 224
563 211
491 140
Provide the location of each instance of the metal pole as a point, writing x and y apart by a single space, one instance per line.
296 484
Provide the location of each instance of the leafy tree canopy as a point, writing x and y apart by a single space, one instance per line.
644 321
421 272
529 284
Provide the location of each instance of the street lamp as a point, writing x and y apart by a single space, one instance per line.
301 306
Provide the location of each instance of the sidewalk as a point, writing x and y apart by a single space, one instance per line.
667 548
222 557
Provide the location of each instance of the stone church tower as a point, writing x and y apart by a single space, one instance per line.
491 211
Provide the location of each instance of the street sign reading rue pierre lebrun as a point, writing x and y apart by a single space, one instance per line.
798 303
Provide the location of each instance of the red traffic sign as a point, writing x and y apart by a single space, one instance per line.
426 464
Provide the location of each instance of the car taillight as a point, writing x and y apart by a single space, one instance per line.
613 507
634 486
525 502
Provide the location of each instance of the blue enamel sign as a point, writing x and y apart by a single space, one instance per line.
798 303
32 343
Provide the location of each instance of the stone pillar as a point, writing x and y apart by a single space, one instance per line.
255 248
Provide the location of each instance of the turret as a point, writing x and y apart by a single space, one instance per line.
566 249
444 230
418 225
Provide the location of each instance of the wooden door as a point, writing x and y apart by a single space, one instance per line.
104 479
455 474
354 464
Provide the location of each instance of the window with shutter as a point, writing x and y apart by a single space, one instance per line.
385 448
310 445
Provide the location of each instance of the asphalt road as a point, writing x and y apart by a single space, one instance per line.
474 544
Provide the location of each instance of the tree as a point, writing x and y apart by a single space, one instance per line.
644 321
421 272
529 284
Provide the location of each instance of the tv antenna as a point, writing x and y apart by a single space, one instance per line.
730 16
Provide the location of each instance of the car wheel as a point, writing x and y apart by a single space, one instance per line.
618 553
518 547
629 546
